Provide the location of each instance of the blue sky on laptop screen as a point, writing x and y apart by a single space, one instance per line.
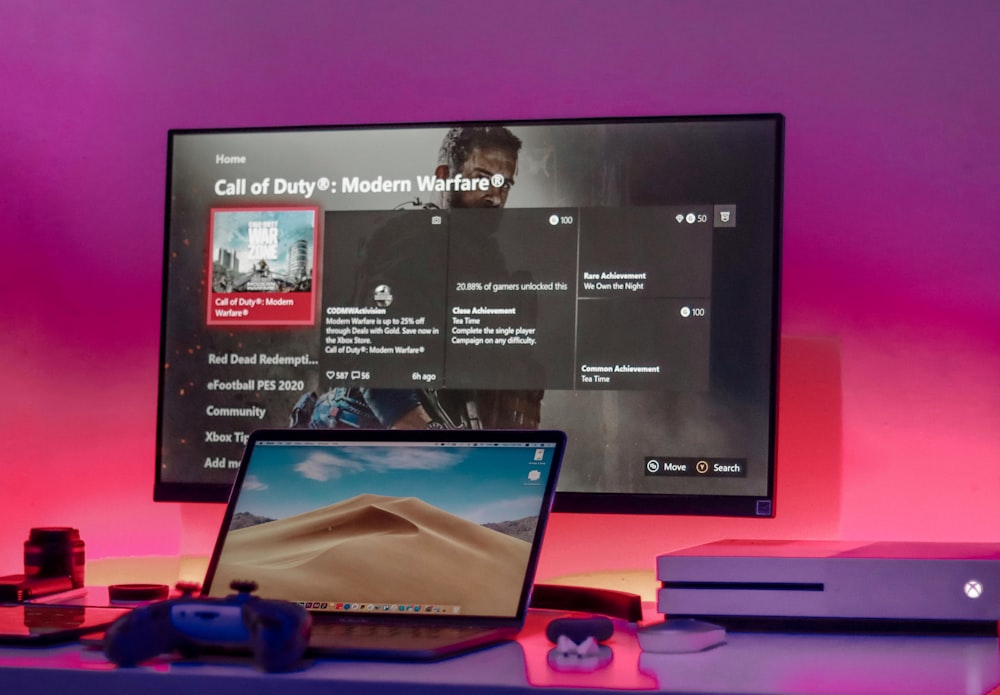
482 484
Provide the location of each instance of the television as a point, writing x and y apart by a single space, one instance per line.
617 279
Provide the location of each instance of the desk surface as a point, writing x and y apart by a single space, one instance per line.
747 664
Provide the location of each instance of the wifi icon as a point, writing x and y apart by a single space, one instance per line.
679 218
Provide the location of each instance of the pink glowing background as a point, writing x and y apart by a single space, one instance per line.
891 394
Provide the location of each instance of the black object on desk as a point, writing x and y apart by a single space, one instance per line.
585 599
39 624
53 563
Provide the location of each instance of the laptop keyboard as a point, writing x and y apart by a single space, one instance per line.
388 633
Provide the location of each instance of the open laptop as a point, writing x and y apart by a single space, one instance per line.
401 544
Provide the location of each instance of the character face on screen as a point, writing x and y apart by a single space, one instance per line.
487 156
487 152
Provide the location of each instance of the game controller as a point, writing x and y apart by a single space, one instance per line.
277 632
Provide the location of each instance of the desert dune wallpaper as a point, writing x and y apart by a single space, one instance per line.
448 527
387 550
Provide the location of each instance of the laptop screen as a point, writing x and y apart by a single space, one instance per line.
443 523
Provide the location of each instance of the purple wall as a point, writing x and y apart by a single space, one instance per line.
893 166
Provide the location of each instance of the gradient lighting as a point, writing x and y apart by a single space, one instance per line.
890 226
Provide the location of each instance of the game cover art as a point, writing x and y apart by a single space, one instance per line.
263 266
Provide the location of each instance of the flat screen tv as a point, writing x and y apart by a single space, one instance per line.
617 279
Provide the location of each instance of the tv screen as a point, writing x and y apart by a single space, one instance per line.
615 279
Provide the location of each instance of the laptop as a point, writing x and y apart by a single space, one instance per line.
414 544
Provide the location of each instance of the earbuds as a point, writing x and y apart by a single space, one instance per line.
578 643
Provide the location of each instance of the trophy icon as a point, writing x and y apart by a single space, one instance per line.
725 215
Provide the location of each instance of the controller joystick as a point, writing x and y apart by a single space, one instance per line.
276 632
187 589
243 586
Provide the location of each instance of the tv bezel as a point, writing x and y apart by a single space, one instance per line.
630 503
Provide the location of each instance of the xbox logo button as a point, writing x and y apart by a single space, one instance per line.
973 589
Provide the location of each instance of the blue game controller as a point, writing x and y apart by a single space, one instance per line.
277 632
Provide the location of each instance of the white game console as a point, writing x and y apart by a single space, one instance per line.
816 583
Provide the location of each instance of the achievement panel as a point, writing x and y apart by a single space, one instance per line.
553 298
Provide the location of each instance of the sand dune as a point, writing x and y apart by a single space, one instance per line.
374 549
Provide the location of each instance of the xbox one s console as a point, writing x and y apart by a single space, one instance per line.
776 583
